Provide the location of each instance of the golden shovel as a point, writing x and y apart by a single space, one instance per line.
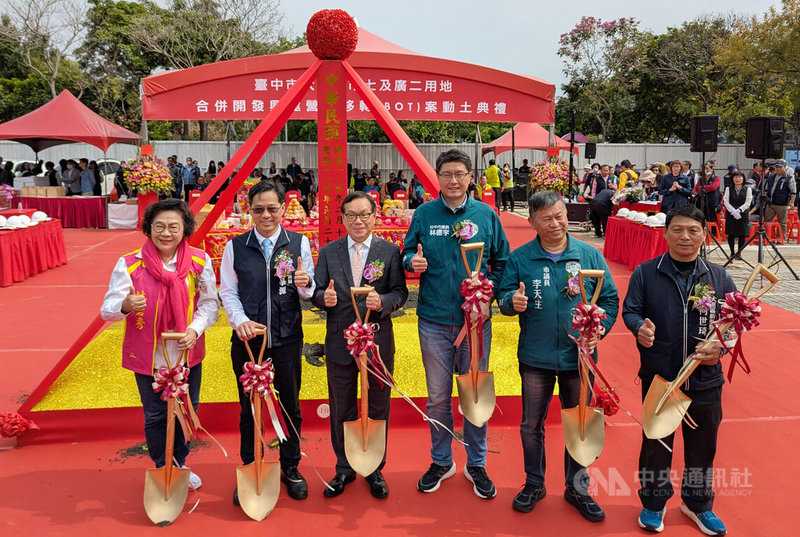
166 488
475 389
665 404
584 428
365 438
258 483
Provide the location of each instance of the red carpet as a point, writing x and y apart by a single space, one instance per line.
78 476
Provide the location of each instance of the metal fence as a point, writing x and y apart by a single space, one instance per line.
362 155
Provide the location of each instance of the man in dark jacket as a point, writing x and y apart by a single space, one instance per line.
600 209
257 295
668 328
359 259
535 286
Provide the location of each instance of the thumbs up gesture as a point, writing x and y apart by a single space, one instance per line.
301 278
330 296
418 262
647 334
133 302
519 299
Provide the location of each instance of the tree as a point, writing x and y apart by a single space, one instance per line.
46 33
761 57
600 58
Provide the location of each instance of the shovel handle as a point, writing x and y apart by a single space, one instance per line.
469 247
367 289
173 336
258 332
760 270
591 273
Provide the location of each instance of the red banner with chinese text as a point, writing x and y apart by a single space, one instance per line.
331 149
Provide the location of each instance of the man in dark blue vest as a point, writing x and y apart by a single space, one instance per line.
780 190
264 273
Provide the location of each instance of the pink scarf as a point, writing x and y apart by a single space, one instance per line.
173 296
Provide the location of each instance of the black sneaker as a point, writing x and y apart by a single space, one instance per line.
585 505
484 488
434 477
526 499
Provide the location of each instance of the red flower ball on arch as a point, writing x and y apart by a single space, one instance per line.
332 34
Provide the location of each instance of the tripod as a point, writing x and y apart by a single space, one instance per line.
761 236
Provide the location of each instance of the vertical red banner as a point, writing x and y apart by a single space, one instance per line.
331 149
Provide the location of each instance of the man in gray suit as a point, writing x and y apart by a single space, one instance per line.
354 261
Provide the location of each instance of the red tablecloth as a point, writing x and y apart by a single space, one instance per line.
631 244
28 251
73 211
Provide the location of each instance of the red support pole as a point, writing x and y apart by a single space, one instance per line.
410 152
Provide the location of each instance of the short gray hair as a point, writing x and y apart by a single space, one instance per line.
542 200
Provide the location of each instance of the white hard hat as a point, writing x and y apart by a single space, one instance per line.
661 217
640 218
14 221
623 213
632 215
2 221
25 219
652 221
38 216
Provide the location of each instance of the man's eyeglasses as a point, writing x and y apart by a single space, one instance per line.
258 211
449 175
159 227
352 217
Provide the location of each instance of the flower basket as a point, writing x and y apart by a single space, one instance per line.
145 174
630 194
551 174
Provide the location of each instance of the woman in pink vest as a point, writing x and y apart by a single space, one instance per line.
165 286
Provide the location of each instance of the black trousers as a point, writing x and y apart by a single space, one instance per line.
342 391
699 447
599 220
287 362
508 198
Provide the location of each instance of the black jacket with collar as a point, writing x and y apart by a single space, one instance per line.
334 264
655 292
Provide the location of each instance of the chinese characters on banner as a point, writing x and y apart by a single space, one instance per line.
331 149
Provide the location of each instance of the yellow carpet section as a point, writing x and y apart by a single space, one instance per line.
96 379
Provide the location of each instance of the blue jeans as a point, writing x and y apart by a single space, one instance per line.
155 417
441 360
537 391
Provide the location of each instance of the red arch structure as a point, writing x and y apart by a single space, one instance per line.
176 96
411 85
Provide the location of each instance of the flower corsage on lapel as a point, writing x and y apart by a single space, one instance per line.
284 267
573 286
373 271
703 297
465 230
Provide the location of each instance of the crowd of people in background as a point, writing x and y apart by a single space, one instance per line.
79 178
738 194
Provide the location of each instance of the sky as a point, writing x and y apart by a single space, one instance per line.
519 36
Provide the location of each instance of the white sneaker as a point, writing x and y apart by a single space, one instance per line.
194 480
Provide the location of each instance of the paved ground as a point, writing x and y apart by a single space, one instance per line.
786 294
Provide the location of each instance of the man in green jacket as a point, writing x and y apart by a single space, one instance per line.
536 287
432 250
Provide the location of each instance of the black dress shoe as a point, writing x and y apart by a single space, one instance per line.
296 485
377 485
337 484
236 497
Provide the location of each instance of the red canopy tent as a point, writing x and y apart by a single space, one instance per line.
525 136
64 120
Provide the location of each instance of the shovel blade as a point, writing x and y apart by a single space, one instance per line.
666 421
585 451
164 500
364 462
258 506
476 413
